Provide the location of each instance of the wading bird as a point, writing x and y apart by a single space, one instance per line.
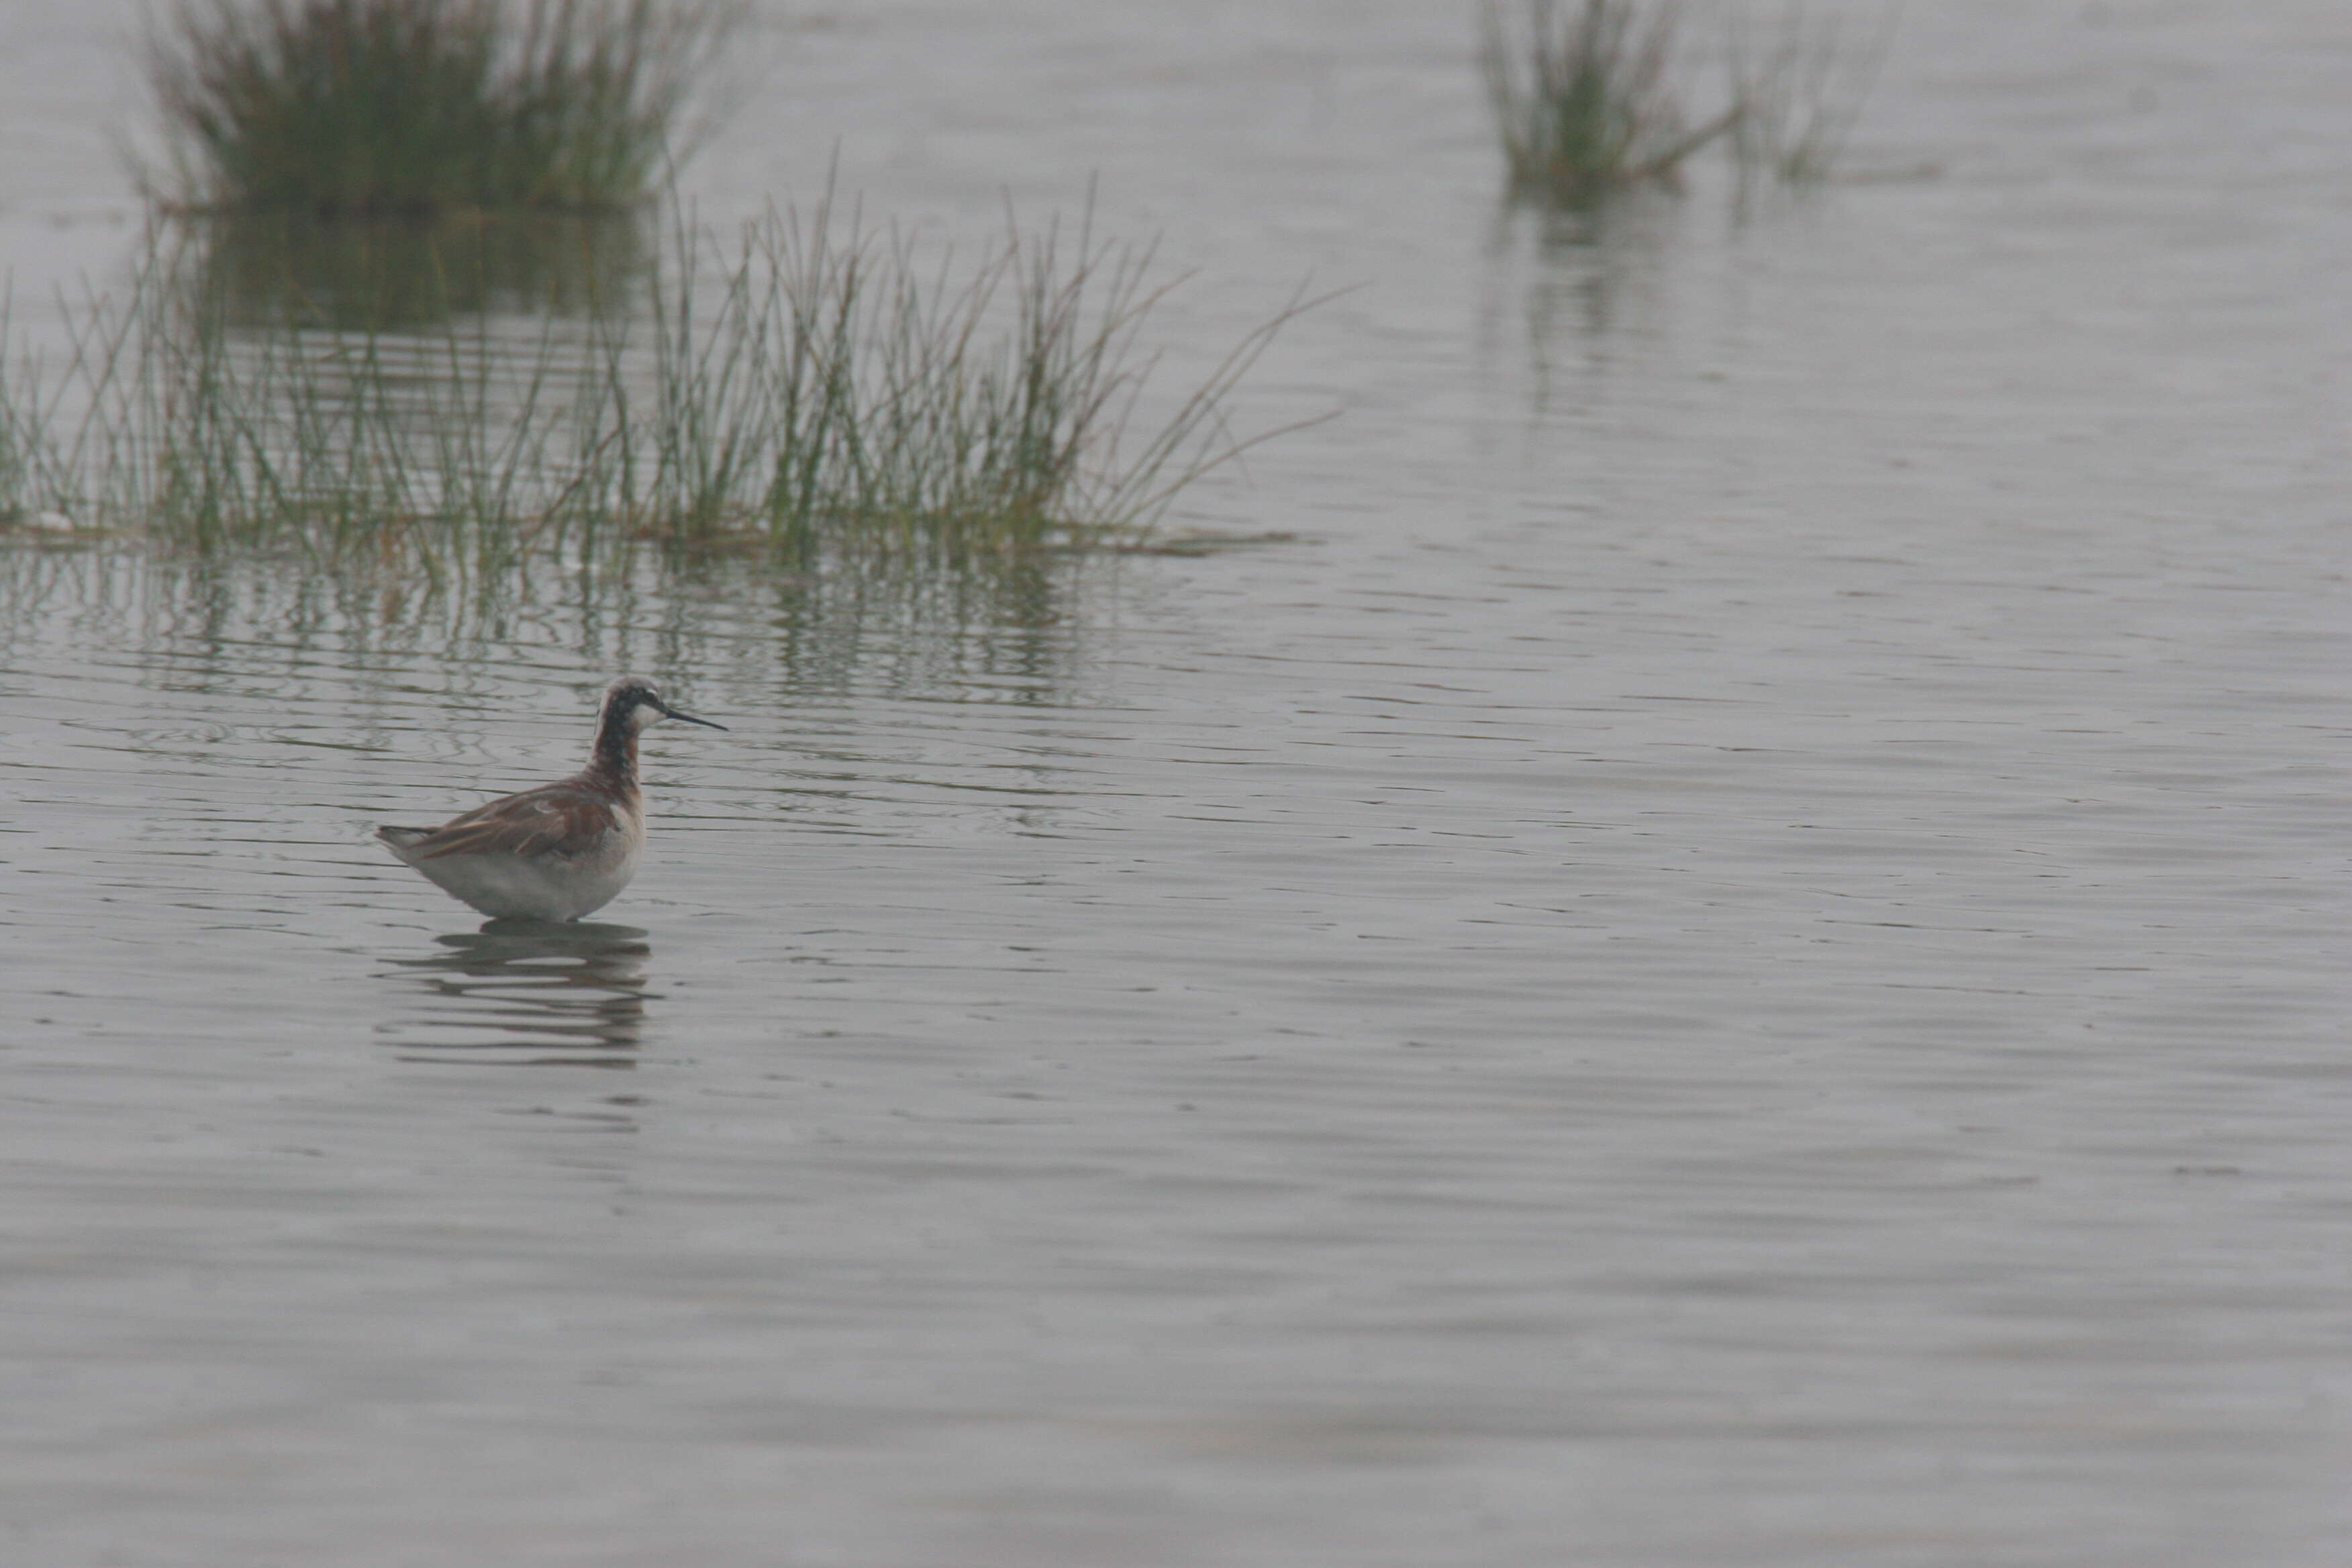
562 850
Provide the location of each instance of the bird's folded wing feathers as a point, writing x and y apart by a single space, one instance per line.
529 824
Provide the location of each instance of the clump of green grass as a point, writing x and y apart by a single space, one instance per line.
334 108
1586 100
1589 97
159 415
836 376
812 384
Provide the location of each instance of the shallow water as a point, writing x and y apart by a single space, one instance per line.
1733 957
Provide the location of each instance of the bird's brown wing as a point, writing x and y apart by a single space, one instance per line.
531 823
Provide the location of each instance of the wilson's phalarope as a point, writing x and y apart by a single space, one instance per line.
562 850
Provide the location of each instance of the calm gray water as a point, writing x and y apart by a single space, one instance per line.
1735 957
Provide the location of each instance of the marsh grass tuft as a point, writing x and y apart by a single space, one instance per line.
1585 97
340 108
812 384
841 377
1589 96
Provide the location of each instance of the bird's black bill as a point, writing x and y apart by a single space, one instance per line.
670 712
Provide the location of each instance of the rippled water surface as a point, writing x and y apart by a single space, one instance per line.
1732 953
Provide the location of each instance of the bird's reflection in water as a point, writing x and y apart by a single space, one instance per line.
525 992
